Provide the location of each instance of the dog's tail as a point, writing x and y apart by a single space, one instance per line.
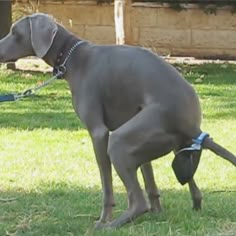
219 150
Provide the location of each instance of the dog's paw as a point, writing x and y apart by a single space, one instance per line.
155 210
101 225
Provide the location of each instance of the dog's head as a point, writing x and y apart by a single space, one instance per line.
30 36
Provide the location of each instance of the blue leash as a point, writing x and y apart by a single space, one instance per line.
29 92
7 98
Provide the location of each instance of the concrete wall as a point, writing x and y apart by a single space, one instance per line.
190 32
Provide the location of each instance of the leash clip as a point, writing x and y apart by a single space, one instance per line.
59 71
27 92
62 69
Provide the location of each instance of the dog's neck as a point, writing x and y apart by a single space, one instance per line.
62 43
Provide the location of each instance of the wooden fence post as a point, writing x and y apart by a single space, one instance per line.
123 27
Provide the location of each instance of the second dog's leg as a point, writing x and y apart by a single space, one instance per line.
194 190
151 188
195 194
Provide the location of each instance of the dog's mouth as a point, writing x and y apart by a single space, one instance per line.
2 61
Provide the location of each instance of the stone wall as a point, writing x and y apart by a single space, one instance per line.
87 19
190 32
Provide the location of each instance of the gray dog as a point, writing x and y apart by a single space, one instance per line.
135 106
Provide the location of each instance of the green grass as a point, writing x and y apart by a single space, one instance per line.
49 172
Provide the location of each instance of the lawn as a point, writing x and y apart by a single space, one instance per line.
49 181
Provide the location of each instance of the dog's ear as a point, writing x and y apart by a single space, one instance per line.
43 30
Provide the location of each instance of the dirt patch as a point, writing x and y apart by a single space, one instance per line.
194 61
35 64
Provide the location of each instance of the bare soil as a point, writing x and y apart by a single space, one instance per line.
35 64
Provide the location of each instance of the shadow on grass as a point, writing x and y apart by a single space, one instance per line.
40 111
61 209
220 99
215 74
39 120
221 107
28 79
52 110
216 90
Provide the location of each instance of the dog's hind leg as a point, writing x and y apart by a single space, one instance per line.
151 188
140 140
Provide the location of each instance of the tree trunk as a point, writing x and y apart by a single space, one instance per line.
122 10
5 22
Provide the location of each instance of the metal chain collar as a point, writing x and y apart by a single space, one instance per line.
61 69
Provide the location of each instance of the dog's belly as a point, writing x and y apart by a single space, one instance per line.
114 118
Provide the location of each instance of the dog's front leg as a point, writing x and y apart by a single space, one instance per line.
99 138
90 112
